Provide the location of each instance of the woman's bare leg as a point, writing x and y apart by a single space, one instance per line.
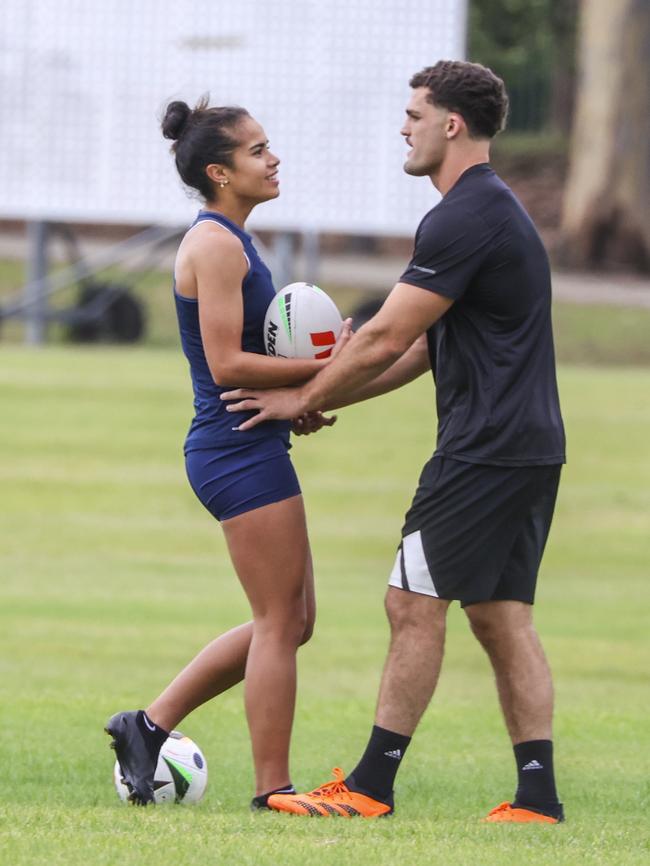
222 663
269 549
219 665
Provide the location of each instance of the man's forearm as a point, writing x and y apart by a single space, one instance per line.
408 367
363 360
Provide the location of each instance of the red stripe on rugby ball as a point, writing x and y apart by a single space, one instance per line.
323 338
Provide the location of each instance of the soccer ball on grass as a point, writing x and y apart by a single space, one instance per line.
181 775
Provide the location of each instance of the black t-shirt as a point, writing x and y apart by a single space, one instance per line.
492 352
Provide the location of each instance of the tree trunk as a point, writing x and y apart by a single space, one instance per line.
607 196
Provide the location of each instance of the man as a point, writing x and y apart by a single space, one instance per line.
474 306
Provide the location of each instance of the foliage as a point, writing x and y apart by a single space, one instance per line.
529 43
510 35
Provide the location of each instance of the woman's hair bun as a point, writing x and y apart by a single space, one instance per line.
175 120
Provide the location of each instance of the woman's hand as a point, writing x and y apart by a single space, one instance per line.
311 422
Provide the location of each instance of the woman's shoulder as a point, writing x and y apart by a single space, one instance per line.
210 239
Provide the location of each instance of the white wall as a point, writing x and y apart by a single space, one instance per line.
82 83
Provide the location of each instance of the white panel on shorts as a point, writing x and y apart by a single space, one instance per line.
395 578
418 576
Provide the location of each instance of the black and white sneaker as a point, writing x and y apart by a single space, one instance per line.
137 742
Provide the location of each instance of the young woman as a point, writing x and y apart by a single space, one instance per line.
245 479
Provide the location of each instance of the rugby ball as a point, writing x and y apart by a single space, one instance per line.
302 321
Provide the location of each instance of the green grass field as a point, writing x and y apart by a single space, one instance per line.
112 576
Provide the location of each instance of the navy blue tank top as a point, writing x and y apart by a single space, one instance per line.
212 426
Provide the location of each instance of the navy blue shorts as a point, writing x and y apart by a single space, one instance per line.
230 481
476 533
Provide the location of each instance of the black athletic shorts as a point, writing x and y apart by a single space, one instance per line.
475 532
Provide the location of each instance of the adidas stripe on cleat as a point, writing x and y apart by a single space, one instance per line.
506 813
334 799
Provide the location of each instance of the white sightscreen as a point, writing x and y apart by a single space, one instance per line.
82 83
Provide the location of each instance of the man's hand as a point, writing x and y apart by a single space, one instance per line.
311 422
343 338
278 403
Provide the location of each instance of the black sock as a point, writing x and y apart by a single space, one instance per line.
262 800
536 779
376 771
153 735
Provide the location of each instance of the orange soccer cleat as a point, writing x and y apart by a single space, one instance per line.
507 813
333 798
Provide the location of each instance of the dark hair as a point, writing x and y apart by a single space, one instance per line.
469 89
201 136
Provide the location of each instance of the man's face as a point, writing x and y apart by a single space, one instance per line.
425 131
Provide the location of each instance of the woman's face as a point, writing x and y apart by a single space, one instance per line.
254 172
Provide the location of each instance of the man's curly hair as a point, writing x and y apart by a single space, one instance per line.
469 89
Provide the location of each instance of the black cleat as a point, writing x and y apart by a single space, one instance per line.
137 757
